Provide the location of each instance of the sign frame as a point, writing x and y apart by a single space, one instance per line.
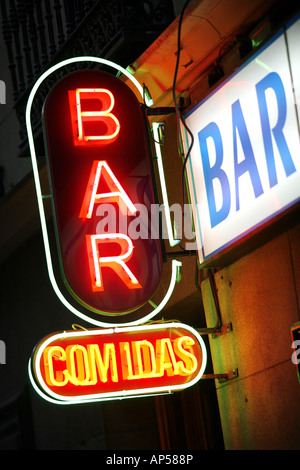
175 264
43 391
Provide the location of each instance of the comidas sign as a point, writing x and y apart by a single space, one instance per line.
94 365
100 175
244 166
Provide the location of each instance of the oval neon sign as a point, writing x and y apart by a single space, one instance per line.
90 273
95 365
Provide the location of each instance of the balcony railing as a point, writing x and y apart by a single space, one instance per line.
40 33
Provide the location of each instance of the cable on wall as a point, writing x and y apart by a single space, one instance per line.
179 115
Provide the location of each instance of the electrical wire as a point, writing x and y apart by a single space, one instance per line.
180 119
179 115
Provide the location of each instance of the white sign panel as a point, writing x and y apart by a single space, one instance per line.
244 165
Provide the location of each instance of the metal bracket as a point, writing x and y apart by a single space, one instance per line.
223 330
233 374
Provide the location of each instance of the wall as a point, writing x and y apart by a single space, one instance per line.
259 294
14 168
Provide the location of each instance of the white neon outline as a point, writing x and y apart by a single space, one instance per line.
121 193
172 240
175 263
47 394
107 112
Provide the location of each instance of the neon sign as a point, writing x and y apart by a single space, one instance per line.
69 137
95 365
96 138
295 333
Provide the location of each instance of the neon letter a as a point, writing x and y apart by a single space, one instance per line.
116 194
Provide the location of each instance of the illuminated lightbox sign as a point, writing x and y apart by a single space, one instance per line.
102 364
244 166
100 177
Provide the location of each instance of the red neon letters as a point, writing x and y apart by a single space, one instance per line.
98 156
115 194
115 262
93 116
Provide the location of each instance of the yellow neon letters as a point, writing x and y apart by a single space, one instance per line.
82 365
189 362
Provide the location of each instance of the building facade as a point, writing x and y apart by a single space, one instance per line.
242 295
